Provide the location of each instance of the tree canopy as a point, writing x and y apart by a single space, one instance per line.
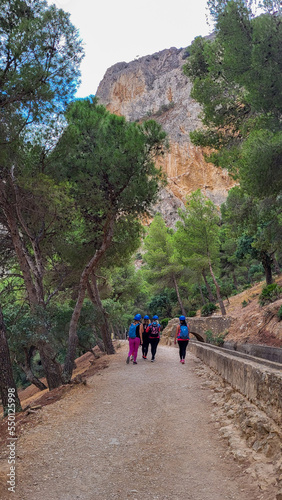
237 79
40 56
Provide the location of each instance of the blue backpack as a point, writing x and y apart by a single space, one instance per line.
184 332
132 331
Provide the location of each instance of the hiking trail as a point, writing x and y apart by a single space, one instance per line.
134 432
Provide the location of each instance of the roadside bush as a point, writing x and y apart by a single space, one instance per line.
269 294
208 309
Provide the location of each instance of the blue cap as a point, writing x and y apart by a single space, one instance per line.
182 318
137 317
146 316
155 317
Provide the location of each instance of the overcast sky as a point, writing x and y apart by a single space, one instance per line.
122 30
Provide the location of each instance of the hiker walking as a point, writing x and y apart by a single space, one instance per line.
154 336
182 337
135 338
145 336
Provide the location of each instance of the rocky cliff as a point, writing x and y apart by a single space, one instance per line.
155 86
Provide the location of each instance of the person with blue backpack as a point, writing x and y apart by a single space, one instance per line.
182 337
154 335
135 338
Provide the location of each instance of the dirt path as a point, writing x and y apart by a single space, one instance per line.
133 432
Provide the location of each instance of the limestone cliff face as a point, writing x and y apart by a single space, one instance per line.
155 86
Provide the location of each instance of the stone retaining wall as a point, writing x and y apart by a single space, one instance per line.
261 384
261 351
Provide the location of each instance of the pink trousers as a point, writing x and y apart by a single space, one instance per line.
133 347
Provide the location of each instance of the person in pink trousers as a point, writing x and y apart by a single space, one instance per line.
135 338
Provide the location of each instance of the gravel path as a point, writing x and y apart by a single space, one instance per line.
133 432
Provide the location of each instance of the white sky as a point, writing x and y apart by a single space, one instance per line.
122 30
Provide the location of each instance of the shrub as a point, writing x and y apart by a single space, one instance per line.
164 108
164 322
209 336
215 339
244 303
208 309
270 293
191 314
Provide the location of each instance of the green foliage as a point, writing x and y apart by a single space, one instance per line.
244 303
40 56
208 309
270 293
215 339
162 303
113 162
256 224
192 314
197 236
236 78
164 108
263 148
164 269
164 322
256 272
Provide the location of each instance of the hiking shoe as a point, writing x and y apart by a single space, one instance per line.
135 362
132 358
152 360
127 360
183 361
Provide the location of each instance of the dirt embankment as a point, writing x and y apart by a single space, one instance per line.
253 323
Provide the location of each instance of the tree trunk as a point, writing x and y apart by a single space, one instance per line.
21 255
94 295
266 261
52 369
210 294
92 264
220 301
8 390
73 339
26 367
35 294
98 341
178 296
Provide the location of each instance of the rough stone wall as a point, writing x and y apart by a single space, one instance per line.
253 437
155 86
260 384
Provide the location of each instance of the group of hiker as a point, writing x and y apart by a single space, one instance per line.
147 333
